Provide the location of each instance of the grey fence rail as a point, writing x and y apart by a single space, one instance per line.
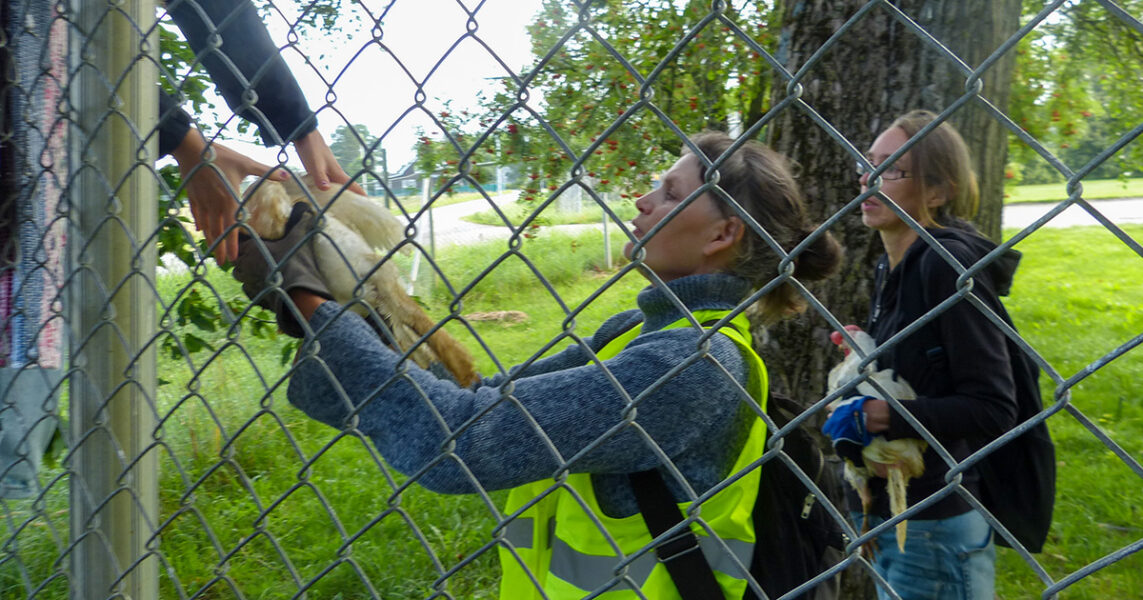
147 447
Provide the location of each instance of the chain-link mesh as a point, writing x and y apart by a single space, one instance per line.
183 472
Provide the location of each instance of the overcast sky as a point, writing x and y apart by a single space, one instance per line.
376 91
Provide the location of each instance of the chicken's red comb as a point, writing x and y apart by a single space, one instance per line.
836 338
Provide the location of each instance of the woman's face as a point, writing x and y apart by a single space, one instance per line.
695 240
904 189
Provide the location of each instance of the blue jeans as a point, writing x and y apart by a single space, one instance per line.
944 559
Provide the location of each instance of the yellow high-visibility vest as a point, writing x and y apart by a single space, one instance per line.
553 539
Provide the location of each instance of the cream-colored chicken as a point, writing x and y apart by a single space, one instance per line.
358 232
901 459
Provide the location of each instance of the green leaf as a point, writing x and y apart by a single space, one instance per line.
194 343
289 350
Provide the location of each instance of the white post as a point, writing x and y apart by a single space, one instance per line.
414 271
499 171
113 205
385 175
734 123
606 234
432 226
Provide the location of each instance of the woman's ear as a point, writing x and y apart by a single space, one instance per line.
726 236
937 195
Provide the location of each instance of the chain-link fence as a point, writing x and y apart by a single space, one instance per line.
149 451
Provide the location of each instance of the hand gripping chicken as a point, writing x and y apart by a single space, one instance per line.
900 459
358 232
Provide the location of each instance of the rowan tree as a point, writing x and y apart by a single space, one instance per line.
1076 90
614 88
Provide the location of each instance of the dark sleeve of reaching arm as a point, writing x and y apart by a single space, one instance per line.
174 123
246 67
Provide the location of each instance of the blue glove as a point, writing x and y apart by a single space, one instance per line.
846 427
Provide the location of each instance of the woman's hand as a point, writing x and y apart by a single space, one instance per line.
321 164
876 415
214 188
852 424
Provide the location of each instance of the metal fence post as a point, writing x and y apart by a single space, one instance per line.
607 197
385 176
425 198
113 208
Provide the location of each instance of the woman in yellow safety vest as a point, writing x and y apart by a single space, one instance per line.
651 389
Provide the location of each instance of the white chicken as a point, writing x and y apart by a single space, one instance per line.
902 459
358 232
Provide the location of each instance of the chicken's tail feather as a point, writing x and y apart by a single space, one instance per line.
447 349
898 501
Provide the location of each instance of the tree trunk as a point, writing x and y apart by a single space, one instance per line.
973 30
876 71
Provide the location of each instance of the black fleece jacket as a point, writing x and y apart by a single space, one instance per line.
958 363
231 41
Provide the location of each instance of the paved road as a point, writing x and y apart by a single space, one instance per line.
450 229
1121 212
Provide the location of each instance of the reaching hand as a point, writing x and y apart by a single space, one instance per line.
320 163
213 188
260 263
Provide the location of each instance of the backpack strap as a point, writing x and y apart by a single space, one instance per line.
681 554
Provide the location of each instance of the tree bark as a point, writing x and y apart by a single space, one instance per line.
876 71
973 30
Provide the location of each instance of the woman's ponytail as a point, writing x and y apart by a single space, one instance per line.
760 180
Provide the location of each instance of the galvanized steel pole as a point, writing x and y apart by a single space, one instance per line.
113 211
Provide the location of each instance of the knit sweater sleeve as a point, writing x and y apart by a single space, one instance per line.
978 399
454 439
575 354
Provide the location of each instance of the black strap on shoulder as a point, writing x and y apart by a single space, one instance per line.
681 554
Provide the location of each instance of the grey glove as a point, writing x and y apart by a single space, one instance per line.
259 265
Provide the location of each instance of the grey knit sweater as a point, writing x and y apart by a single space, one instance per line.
452 438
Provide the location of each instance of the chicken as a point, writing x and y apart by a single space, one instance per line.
901 459
358 232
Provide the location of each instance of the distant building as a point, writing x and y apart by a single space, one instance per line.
406 181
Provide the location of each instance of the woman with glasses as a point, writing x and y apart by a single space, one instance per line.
957 363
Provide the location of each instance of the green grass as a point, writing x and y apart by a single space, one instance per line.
233 492
572 264
237 500
1077 296
517 213
1093 189
413 202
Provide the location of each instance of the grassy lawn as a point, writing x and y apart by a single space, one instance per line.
1093 189
413 202
258 501
1077 296
517 213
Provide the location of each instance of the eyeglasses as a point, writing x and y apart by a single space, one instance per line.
890 174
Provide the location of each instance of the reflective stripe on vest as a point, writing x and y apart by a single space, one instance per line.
591 572
569 557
